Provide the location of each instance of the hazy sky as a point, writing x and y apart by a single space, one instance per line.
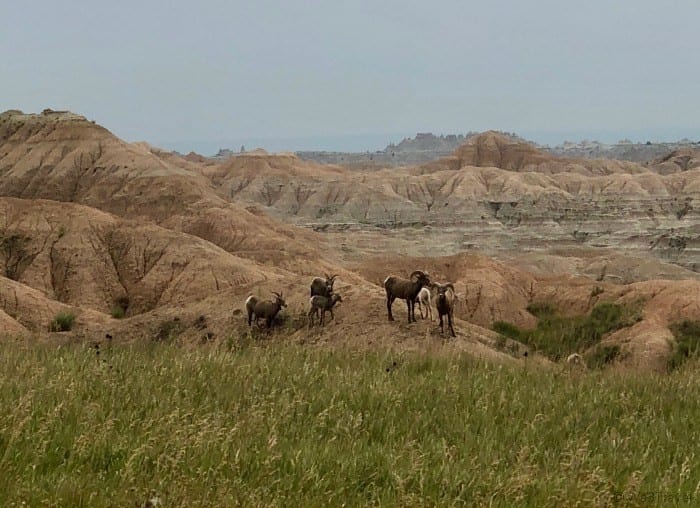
356 74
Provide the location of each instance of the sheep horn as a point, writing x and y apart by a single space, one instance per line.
418 272
450 286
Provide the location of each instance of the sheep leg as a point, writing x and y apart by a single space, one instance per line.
442 329
389 302
408 304
250 317
323 317
332 316
449 322
311 318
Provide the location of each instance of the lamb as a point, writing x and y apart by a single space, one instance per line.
266 309
423 300
322 287
404 289
445 305
321 304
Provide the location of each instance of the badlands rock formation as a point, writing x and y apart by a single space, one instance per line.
492 194
90 223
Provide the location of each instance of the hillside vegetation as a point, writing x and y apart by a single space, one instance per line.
285 425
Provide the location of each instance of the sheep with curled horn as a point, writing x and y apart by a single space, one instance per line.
323 287
405 289
264 309
444 302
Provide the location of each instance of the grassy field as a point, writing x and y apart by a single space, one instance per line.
286 425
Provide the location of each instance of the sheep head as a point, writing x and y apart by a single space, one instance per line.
279 299
420 277
442 290
330 280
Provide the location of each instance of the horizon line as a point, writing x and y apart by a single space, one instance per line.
371 142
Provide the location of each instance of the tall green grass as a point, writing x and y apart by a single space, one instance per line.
291 426
687 343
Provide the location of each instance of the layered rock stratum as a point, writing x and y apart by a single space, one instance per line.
89 223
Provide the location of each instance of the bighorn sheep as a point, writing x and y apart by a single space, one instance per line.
266 309
408 290
445 305
322 287
321 304
423 300
575 360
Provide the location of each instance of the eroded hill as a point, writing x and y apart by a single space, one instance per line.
142 243
532 202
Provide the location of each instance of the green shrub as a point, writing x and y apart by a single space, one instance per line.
117 312
508 330
607 316
169 330
63 322
121 306
687 335
601 356
541 310
558 336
